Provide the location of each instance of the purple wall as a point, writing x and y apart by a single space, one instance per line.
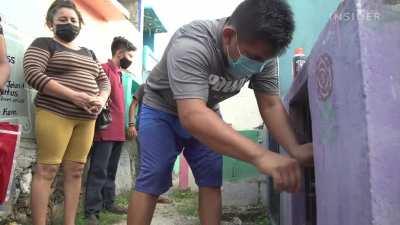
354 93
380 47
337 102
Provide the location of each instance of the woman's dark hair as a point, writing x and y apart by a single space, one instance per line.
121 43
58 4
270 21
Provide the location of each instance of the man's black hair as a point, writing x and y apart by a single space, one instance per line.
121 43
270 21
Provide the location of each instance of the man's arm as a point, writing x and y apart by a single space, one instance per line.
278 123
132 131
210 129
137 99
4 65
132 110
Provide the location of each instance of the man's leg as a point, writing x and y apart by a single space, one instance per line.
207 170
141 208
109 186
159 148
210 205
96 177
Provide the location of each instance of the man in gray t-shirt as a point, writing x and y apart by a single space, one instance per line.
205 63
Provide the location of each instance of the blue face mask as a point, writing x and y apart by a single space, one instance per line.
243 66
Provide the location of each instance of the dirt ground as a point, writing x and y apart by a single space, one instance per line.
183 211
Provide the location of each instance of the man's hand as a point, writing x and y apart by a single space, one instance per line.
304 154
285 171
132 132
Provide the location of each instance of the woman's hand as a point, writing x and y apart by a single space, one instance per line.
99 101
82 100
97 104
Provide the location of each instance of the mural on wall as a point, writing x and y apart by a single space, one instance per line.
324 75
324 81
16 98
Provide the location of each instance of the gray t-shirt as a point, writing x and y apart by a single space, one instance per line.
194 66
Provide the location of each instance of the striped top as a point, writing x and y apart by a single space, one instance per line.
46 60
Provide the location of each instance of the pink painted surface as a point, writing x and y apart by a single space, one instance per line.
183 173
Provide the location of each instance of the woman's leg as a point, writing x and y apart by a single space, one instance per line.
52 136
72 188
73 165
41 187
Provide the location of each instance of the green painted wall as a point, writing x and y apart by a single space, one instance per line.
311 17
236 170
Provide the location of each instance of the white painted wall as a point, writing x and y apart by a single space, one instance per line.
241 110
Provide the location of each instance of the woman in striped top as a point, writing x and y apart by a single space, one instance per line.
4 66
72 89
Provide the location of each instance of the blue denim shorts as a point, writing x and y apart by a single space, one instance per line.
161 140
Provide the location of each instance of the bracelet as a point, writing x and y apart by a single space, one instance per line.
131 124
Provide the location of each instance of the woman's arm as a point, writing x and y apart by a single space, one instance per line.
104 84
